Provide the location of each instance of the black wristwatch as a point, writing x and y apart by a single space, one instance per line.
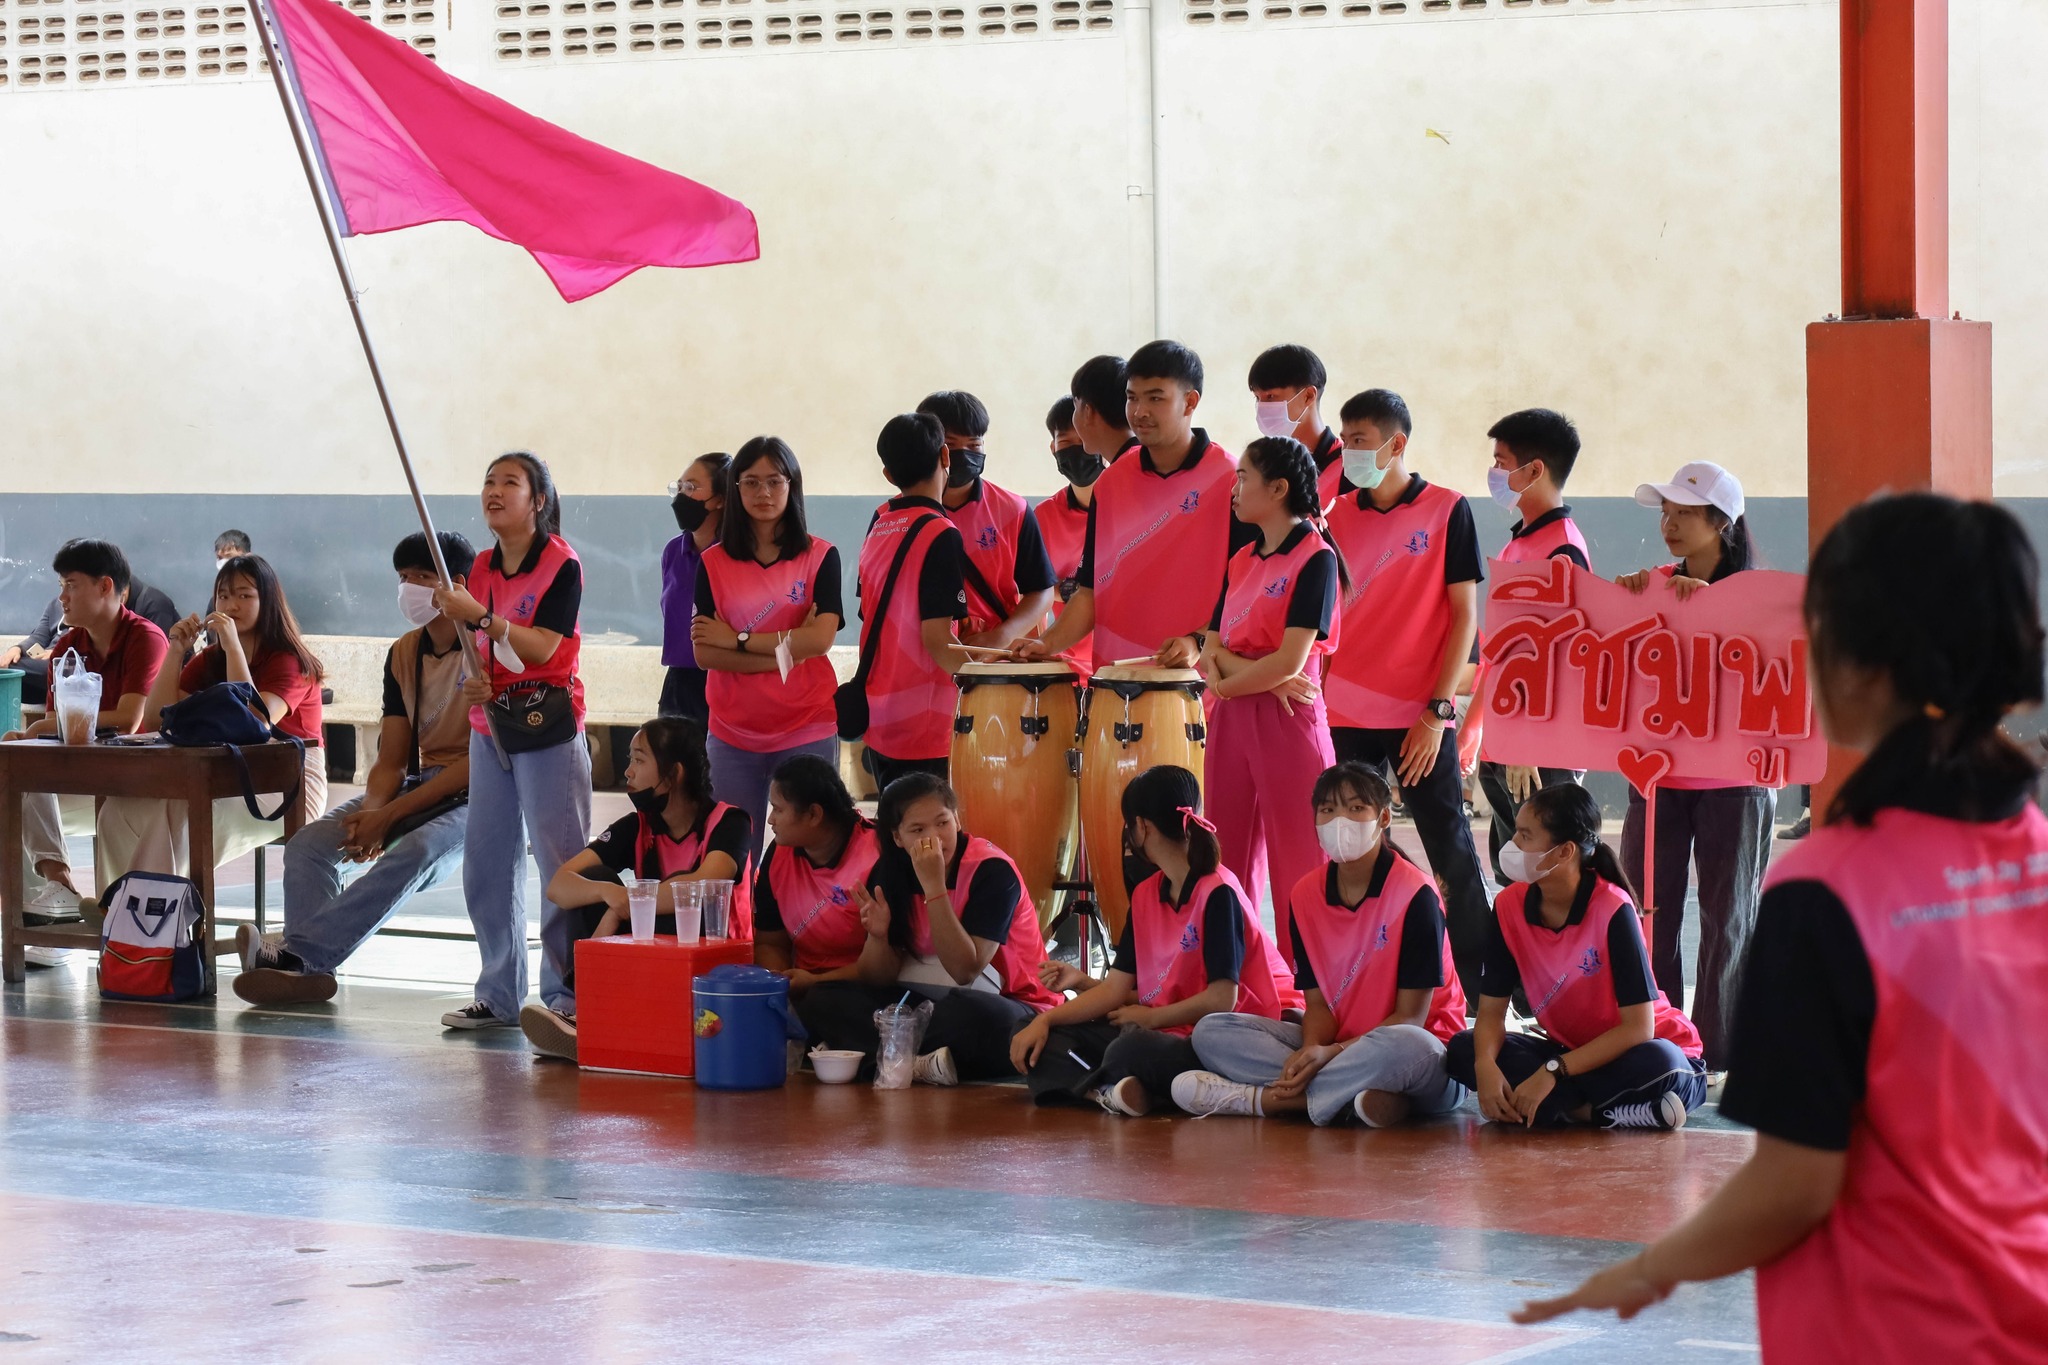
744 636
1445 711
483 623
1557 1069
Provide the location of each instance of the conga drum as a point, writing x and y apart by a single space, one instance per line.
1138 718
1011 736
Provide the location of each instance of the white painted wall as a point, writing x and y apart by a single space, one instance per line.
1633 217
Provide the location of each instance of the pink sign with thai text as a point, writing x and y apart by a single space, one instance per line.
1583 673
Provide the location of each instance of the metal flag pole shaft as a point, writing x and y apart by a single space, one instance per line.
300 119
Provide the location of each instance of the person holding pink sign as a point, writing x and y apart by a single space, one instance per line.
1614 1051
1723 830
1887 1039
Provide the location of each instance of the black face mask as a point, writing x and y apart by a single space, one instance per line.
690 512
649 801
1077 466
1136 867
965 468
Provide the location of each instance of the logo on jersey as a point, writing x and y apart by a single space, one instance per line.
1191 502
1379 940
1190 937
1278 587
1589 965
796 590
838 896
525 606
987 539
1418 543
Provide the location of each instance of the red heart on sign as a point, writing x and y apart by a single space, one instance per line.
1642 768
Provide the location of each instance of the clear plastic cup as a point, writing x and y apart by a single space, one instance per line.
640 902
717 906
689 902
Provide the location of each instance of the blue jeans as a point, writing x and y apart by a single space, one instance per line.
546 797
1401 1058
740 777
332 904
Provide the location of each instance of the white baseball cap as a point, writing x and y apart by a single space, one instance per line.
1699 484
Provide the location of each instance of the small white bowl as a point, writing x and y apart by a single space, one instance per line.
835 1068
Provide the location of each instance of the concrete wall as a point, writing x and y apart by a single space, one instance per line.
1624 208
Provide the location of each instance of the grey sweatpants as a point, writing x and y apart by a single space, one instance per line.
1401 1058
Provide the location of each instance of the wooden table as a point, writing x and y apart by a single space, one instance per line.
195 776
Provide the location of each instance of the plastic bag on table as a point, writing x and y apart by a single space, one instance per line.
902 1028
74 698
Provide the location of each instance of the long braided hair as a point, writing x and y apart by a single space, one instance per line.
1283 457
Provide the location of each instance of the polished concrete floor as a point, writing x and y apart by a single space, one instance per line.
346 1183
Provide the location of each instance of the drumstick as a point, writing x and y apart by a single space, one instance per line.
984 649
1140 659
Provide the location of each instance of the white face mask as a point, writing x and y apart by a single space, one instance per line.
1363 467
416 603
1274 419
1346 840
1520 866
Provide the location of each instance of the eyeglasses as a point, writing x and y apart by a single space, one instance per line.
685 487
774 483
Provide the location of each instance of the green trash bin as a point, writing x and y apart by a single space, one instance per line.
10 699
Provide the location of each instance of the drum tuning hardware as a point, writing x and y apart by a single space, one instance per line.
1129 731
1197 732
963 725
1034 726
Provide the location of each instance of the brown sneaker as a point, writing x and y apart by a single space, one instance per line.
552 1034
275 986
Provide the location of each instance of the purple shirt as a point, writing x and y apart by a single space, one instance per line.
680 563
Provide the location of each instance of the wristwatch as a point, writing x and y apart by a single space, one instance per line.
485 622
745 636
1557 1069
1445 711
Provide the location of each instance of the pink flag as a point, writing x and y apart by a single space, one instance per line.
401 142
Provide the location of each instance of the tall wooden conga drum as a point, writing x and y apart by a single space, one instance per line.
1011 736
1138 718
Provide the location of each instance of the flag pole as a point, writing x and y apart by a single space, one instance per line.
312 158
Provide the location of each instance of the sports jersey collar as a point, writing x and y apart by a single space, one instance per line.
1532 904
904 502
1373 887
1294 538
1416 483
1130 444
1550 518
659 823
527 565
1073 505
1196 450
860 823
973 496
1329 448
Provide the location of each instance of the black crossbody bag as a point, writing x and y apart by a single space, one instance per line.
851 700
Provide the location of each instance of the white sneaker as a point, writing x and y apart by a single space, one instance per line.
1666 1112
256 949
936 1068
1126 1097
56 903
1203 1093
37 956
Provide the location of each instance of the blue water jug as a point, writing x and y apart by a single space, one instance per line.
742 1026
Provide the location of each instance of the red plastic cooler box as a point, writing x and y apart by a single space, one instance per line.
633 1004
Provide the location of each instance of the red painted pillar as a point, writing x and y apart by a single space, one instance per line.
1898 395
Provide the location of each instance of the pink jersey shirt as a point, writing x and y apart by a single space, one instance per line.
910 698
1161 542
1259 589
763 712
1356 954
816 903
1018 958
1168 942
1396 619
1569 981
1937 1247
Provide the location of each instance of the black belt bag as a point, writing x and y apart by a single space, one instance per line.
533 715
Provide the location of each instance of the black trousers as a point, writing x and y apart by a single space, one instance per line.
887 770
1643 1073
682 695
1493 780
1725 832
1080 1059
1437 804
976 1025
